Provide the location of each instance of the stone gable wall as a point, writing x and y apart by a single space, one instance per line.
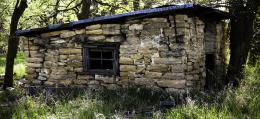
153 52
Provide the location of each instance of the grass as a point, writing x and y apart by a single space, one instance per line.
19 67
110 104
240 103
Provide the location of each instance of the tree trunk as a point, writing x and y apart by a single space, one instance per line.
13 42
240 37
85 10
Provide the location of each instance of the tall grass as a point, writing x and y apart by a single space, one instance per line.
79 108
113 104
240 103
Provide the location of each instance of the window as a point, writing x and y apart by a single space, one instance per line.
101 59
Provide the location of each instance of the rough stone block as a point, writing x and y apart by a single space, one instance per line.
167 60
177 68
30 70
67 33
49 34
96 38
93 27
114 39
126 49
93 82
157 68
65 51
124 60
59 71
63 57
174 76
111 32
127 68
123 74
65 83
137 56
31 76
136 27
151 27
55 77
105 79
111 29
111 26
84 77
80 31
94 32
132 39
34 60
78 69
156 20
36 82
45 71
179 17
80 82
49 64
58 41
31 48
172 83
144 82
50 83
34 54
140 69
34 65
153 74
41 78
75 64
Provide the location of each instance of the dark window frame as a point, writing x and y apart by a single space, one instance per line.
102 48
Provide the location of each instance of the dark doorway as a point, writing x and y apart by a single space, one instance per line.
210 74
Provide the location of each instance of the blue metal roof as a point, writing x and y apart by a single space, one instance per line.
186 8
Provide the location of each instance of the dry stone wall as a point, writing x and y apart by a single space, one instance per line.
163 53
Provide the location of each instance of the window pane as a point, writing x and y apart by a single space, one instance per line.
95 64
107 54
107 64
94 54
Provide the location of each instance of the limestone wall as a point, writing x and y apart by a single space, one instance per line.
166 52
215 45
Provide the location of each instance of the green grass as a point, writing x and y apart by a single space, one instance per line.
109 104
240 103
19 67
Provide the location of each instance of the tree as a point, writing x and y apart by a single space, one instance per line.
241 34
13 42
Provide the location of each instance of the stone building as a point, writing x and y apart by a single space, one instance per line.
169 47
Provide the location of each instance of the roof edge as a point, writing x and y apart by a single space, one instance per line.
80 23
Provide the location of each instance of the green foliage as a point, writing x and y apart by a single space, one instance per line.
19 67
